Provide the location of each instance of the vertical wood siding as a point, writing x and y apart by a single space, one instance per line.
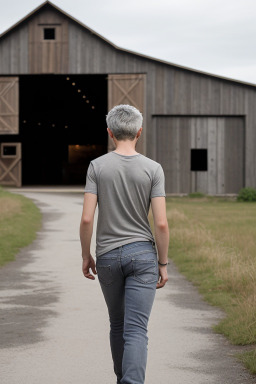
176 136
14 52
48 56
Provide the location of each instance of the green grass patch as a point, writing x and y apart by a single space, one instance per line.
249 360
20 219
212 241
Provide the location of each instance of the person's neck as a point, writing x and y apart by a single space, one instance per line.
125 148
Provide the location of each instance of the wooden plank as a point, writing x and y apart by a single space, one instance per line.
220 156
212 156
234 155
184 155
250 140
202 143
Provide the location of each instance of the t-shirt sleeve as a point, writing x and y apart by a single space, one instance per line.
158 183
91 181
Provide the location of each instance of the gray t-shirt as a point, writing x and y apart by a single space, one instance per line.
124 186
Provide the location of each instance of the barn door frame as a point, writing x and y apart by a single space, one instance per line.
128 89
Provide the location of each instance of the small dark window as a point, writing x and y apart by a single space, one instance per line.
49 33
9 150
198 159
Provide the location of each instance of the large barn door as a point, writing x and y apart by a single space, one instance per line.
9 105
10 164
201 154
127 89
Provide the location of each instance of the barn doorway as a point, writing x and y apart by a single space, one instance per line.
62 127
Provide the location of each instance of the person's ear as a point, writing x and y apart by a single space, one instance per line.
139 133
110 133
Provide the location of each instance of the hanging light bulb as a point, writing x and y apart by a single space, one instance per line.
84 97
87 101
38 123
79 90
67 78
66 126
73 83
93 107
53 125
24 121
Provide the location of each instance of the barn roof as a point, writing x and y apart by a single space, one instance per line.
49 3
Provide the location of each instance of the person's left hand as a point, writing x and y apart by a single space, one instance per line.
89 263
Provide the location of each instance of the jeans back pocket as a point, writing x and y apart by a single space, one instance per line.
145 270
105 275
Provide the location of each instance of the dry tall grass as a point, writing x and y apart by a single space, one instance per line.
213 242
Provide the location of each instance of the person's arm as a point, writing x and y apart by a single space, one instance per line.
86 229
158 206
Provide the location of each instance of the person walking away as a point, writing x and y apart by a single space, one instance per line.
130 263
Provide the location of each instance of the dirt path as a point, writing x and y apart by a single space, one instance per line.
54 323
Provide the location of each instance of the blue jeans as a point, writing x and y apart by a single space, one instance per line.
128 277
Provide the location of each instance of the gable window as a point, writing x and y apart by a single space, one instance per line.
49 33
199 160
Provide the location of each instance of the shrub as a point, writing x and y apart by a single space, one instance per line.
247 194
196 195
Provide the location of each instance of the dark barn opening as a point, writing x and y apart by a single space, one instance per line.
62 126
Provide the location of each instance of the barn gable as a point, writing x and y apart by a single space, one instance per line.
48 14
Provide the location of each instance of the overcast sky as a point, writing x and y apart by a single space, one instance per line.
216 36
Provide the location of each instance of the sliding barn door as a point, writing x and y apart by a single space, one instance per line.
128 89
10 153
9 105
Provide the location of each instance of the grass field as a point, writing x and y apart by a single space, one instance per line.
20 219
213 243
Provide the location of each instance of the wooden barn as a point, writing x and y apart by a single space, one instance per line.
59 78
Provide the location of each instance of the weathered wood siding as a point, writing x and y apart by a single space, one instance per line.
9 105
48 56
14 52
223 137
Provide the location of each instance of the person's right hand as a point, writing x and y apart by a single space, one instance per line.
163 277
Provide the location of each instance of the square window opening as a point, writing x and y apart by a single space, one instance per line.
8 150
49 33
199 160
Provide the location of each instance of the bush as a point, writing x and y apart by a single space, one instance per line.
247 194
196 195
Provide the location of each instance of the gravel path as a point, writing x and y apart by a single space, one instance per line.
54 322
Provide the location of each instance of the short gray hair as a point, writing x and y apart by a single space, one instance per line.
124 121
